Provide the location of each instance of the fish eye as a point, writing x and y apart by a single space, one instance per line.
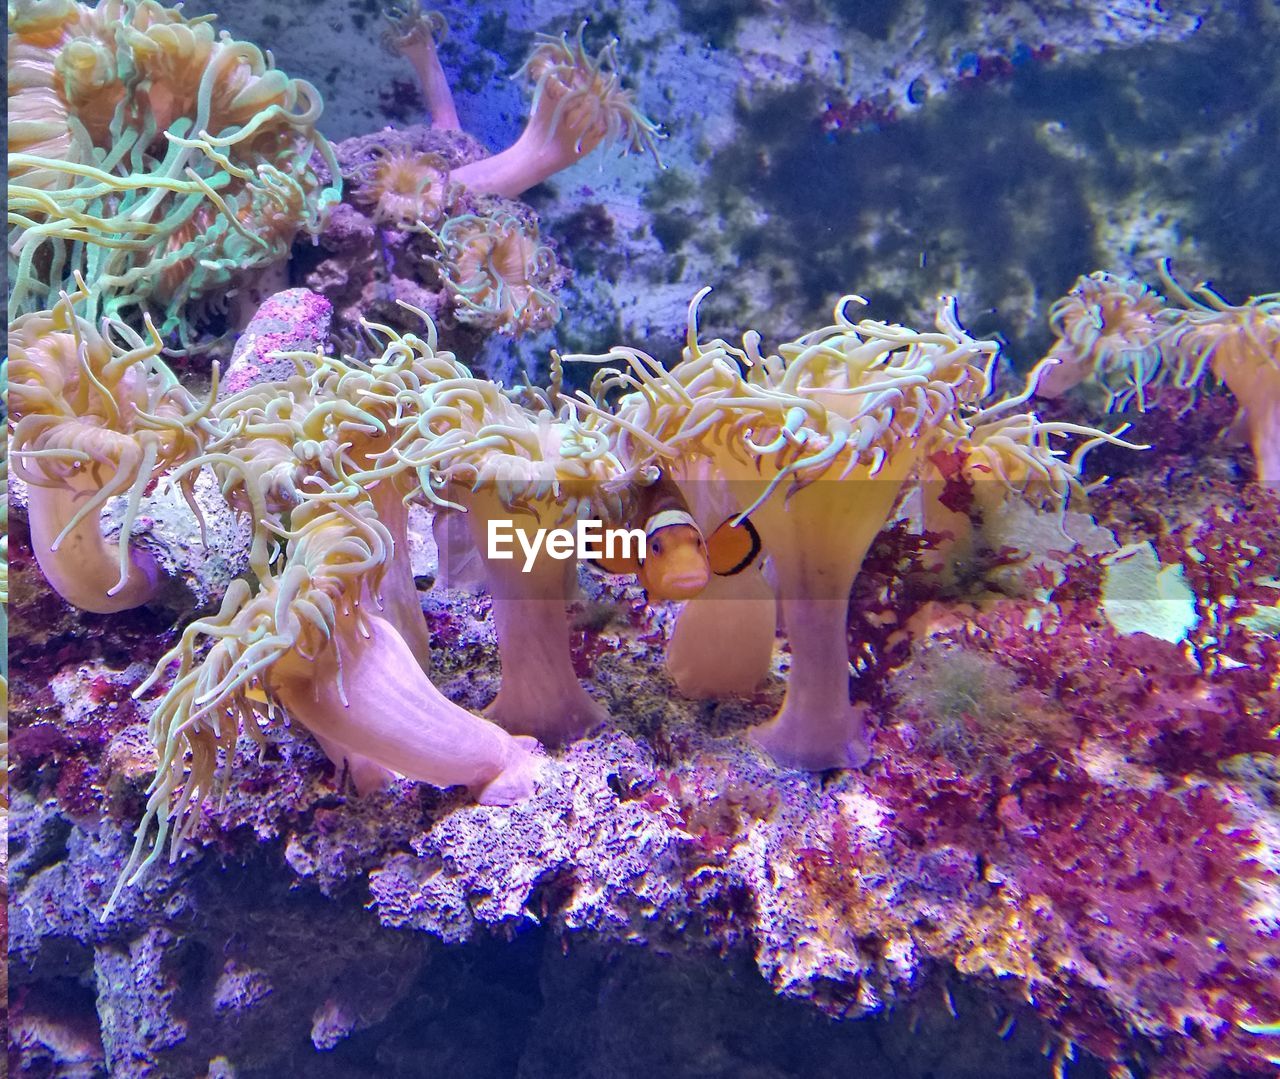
657 546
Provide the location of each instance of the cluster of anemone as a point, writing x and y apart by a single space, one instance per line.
1125 337
156 158
811 444
498 273
325 464
485 256
1239 344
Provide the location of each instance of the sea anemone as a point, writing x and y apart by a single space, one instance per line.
994 456
499 272
153 157
404 187
817 439
96 415
1241 346
1111 330
507 465
578 104
413 33
314 642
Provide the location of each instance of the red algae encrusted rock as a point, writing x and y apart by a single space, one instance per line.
294 320
1112 870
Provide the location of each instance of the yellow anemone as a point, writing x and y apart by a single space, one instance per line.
816 441
524 471
1240 344
96 414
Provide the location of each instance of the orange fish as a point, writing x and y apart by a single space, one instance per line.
678 560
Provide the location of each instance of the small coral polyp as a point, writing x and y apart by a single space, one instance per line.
499 273
95 419
432 221
159 160
578 104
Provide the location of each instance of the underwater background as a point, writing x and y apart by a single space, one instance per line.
1046 839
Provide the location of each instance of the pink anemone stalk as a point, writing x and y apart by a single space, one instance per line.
312 641
413 33
578 104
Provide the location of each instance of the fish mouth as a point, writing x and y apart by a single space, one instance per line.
685 586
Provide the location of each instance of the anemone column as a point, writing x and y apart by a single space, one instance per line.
1252 373
817 539
413 33
75 558
722 643
385 711
540 692
399 594
1265 423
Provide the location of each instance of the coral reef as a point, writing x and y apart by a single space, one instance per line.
967 713
671 831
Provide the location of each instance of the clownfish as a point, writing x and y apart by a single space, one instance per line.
679 561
